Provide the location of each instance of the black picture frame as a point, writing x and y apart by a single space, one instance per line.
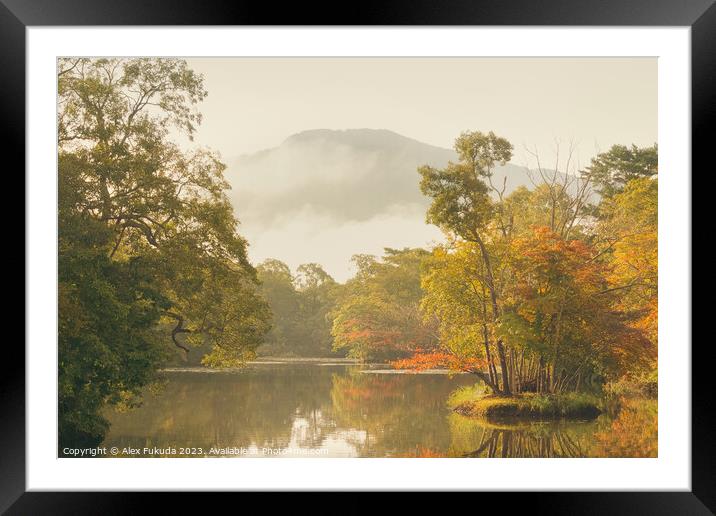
17 15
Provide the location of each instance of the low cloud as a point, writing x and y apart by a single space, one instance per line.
310 236
324 195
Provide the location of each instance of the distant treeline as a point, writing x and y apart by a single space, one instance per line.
313 315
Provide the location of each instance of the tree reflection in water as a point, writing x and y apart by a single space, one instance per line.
350 411
629 430
527 443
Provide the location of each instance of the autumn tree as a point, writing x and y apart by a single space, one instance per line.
378 315
628 237
525 289
559 317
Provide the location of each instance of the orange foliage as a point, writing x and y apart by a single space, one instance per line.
438 360
384 333
427 453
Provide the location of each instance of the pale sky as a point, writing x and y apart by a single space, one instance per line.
257 103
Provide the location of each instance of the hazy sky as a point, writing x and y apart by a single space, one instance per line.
256 103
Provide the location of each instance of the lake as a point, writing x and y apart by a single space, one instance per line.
331 408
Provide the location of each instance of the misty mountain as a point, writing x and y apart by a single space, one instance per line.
349 175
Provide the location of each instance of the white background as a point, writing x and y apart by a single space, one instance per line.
671 470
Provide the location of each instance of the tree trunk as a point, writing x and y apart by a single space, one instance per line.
503 365
179 328
495 315
490 366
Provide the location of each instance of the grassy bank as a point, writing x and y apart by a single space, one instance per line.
472 401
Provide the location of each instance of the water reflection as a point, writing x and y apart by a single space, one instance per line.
348 411
627 429
475 438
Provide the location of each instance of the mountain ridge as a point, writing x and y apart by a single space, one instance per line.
350 174
308 134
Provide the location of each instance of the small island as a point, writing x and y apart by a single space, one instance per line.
528 406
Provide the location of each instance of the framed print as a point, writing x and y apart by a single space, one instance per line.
431 251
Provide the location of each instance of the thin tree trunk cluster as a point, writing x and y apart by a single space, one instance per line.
528 373
517 372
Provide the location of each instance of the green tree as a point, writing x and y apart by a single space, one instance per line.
318 294
300 305
107 347
147 237
461 204
610 171
278 289
456 295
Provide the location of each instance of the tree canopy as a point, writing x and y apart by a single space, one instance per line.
378 314
300 305
612 170
148 243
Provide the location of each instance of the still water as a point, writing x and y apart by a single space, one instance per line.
329 409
